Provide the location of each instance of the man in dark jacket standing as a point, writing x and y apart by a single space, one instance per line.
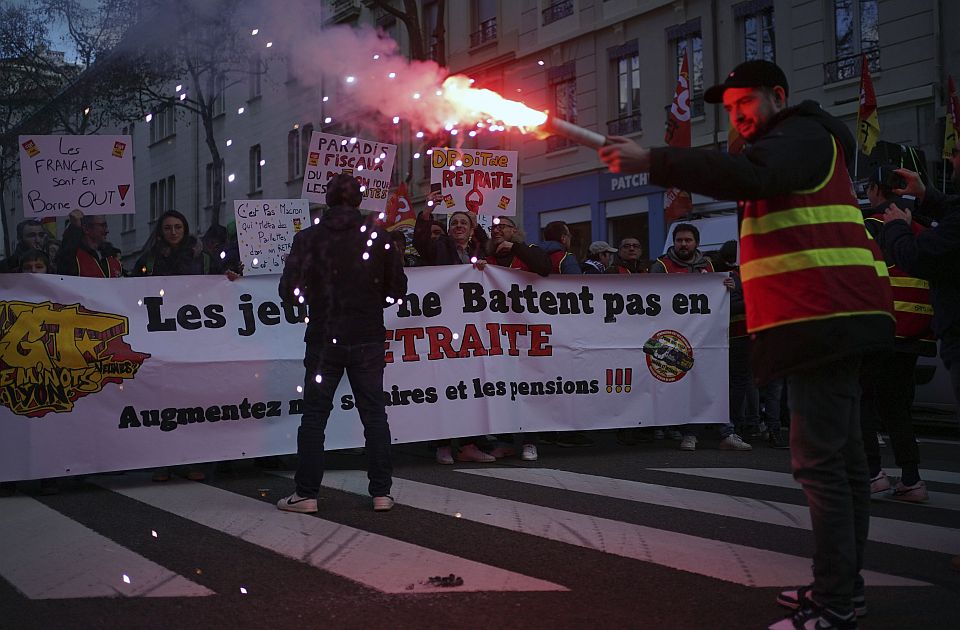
816 301
347 273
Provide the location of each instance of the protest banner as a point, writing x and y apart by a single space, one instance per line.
131 373
368 160
265 231
478 180
59 174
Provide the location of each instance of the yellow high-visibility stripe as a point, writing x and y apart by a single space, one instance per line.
817 318
797 217
913 307
881 268
833 167
808 259
913 283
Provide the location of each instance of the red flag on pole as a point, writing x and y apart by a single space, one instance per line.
868 126
677 202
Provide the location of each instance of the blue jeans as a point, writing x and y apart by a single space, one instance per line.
828 460
364 365
770 395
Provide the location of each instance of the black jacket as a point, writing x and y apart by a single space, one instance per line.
794 152
345 292
443 249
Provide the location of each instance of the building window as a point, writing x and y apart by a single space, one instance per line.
126 223
256 169
256 73
163 196
626 70
556 10
431 16
219 105
484 22
687 38
306 135
755 22
210 184
294 154
163 124
563 84
855 33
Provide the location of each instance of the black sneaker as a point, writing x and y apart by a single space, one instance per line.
811 616
570 439
776 440
795 597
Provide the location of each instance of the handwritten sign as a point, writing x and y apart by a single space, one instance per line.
60 174
481 181
368 160
265 231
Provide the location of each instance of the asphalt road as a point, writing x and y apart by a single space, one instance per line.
608 537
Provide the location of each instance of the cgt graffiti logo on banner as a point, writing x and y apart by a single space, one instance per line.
53 354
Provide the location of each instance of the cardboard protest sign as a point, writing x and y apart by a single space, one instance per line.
368 160
265 231
59 174
479 180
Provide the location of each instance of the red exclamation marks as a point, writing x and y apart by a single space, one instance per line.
619 379
122 189
628 377
609 381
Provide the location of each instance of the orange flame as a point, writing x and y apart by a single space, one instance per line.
478 103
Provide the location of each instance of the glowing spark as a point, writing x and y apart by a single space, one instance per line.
375 57
439 92
419 134
373 235
223 255
263 162
231 177
229 142
496 221
381 216
386 245
416 95
318 378
296 125
353 140
179 87
359 168
376 160
448 126
429 151
296 291
328 120
416 156
139 302
240 111
473 259
351 79
255 31
458 515
316 221
153 533
392 75
126 578
366 256
369 243
453 168
456 336
454 132
430 204
306 320
161 292
472 134
540 63
396 119
86 111
269 44
300 299
256 261
299 389
459 162
363 188
383 156
390 300
343 143
149 117
243 590
334 341
363 229
325 99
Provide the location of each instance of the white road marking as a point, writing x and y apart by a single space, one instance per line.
379 562
47 555
894 532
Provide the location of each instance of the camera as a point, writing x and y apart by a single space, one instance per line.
888 178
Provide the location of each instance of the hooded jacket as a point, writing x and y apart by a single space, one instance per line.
697 264
561 261
794 152
344 281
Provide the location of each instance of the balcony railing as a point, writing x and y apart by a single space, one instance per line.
624 125
486 33
849 67
342 11
557 11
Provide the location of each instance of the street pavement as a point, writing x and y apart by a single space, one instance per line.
608 536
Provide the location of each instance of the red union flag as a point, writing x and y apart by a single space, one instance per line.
399 210
953 119
676 202
868 126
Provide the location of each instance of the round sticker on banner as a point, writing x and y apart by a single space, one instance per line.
669 356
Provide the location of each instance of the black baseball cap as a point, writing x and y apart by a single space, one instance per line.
754 73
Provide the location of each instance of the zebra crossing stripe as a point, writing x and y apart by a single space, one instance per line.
47 555
941 500
703 556
375 561
894 532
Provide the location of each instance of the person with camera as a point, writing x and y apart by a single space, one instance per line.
887 380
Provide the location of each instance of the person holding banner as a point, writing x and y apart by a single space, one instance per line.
91 256
172 251
817 299
347 276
